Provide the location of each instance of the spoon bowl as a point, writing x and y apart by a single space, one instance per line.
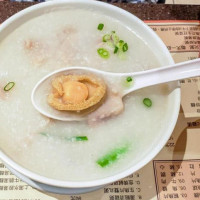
114 82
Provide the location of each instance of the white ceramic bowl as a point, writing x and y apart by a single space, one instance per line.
71 187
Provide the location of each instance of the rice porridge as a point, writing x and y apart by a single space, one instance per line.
75 151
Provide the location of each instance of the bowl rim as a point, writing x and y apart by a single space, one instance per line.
130 170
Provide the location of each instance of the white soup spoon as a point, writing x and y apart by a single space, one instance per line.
139 80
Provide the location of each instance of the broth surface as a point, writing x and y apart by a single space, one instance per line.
70 38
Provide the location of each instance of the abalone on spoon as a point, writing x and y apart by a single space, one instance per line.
112 105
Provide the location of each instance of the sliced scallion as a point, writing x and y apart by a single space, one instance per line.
120 44
78 138
113 41
72 139
106 38
114 38
125 47
147 102
110 44
100 27
103 53
9 86
112 156
44 134
129 79
116 49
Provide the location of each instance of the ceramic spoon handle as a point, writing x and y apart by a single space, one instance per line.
164 74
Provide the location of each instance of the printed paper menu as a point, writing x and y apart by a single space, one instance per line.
177 179
175 172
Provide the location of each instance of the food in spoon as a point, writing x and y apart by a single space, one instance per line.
76 92
112 106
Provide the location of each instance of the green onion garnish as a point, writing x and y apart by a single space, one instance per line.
116 49
120 44
72 139
44 134
78 138
103 53
106 38
112 156
129 79
9 86
100 27
147 102
110 44
114 38
125 47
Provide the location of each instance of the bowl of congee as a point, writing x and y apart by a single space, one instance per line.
102 140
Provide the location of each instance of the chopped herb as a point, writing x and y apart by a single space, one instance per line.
72 139
120 44
147 102
116 49
100 27
114 38
112 156
126 81
103 53
44 134
9 86
110 44
78 138
106 38
129 79
125 47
